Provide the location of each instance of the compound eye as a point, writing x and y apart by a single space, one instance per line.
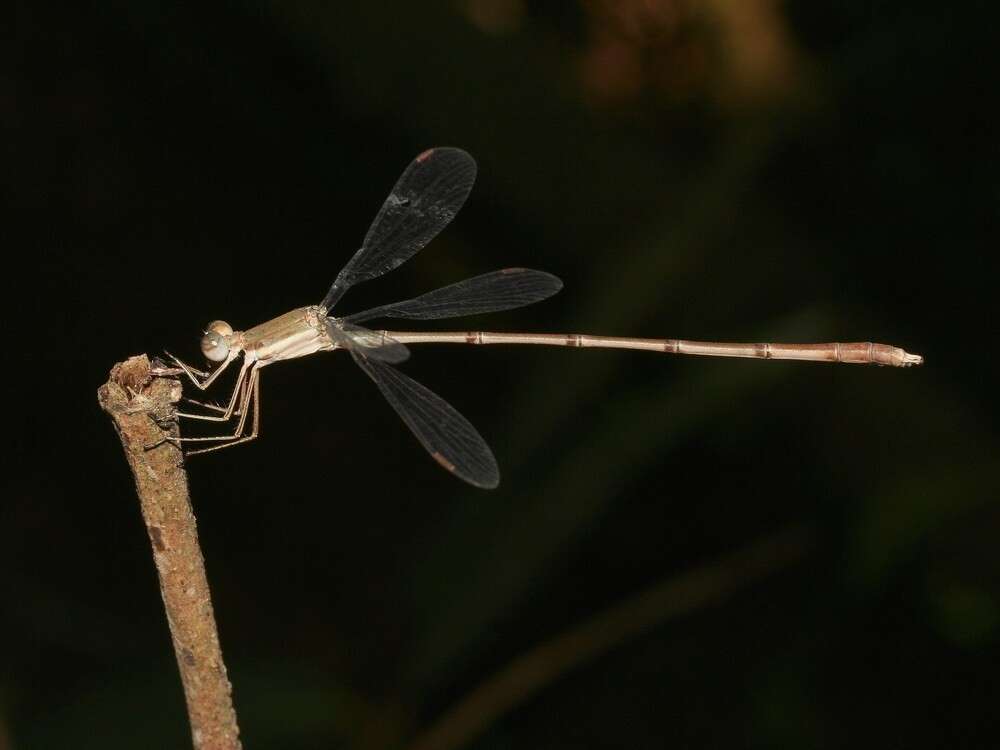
214 346
221 327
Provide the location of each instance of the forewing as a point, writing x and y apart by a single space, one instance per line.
448 436
425 198
371 344
491 292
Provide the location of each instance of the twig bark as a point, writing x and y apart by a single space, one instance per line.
142 408
542 665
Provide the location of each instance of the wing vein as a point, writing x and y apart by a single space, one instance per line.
443 432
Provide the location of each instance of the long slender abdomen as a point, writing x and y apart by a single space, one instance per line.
852 353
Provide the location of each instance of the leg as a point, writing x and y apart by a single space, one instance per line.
222 409
192 373
182 367
213 407
162 370
245 392
238 432
238 436
239 396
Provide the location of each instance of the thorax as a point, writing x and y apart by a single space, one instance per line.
294 334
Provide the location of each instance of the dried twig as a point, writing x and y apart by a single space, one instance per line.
142 407
542 665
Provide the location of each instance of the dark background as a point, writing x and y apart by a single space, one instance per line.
722 170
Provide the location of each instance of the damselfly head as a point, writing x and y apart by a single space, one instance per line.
215 342
221 327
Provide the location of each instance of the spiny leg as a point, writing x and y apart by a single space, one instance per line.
244 394
255 378
192 372
239 396
213 407
222 409
159 367
237 433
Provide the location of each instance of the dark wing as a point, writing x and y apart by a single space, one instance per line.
425 198
370 343
491 292
446 434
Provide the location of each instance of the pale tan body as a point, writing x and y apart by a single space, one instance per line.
854 353
302 332
295 334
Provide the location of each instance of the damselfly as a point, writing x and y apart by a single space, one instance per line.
425 198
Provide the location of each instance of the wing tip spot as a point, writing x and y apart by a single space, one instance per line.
424 155
443 461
